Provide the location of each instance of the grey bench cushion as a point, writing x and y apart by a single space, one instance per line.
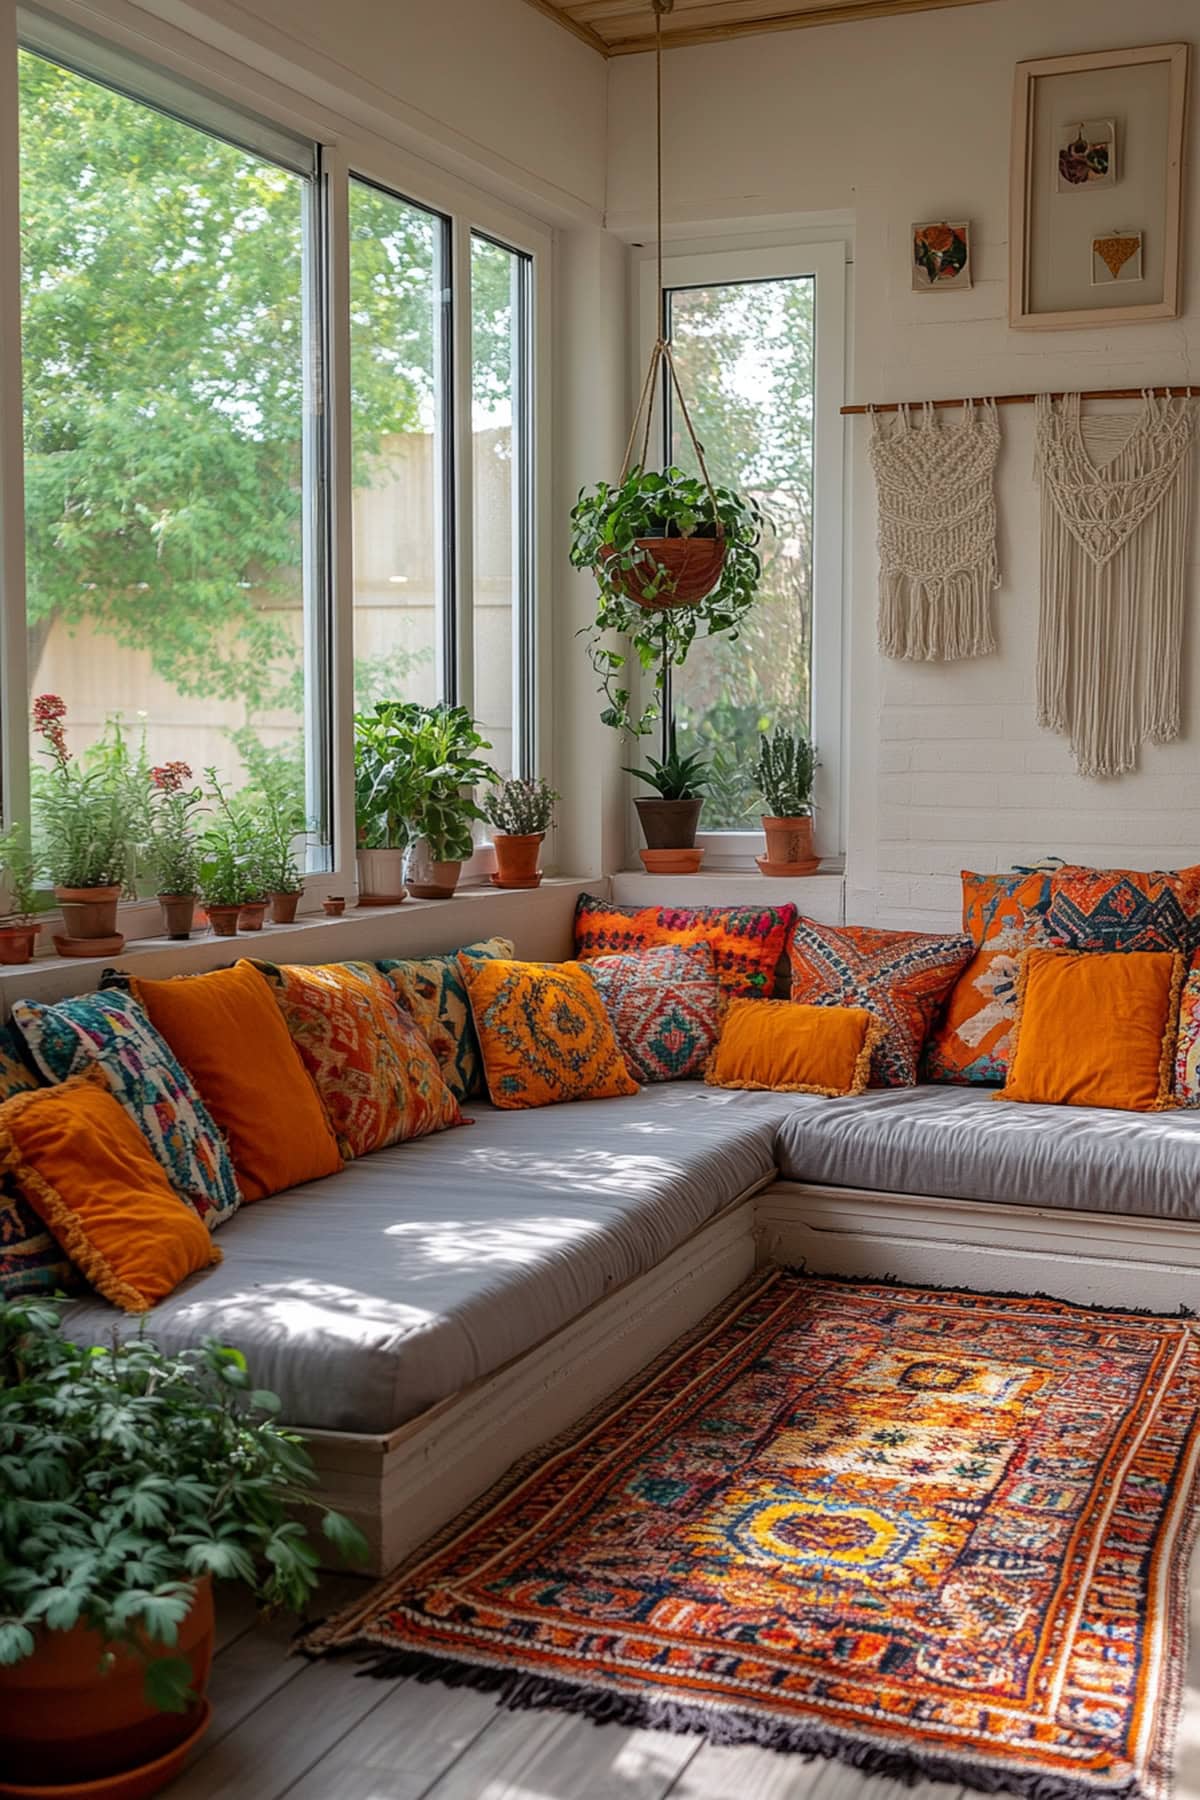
367 1297
962 1143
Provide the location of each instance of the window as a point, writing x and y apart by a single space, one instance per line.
173 468
745 329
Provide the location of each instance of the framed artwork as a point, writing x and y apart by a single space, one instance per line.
941 256
1096 188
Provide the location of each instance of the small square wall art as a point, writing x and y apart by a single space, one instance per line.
941 256
1117 256
1086 155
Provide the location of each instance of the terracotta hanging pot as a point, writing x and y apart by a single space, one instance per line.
517 856
88 912
224 920
789 846
283 907
668 824
17 942
694 564
179 912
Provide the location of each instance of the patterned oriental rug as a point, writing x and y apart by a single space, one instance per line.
926 1532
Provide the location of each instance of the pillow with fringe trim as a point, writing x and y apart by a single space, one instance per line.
782 1047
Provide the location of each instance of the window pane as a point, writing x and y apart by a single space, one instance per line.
498 420
166 419
397 310
744 351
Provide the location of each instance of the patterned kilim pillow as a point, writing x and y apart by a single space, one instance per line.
1187 1042
747 941
1004 915
903 977
432 989
377 1077
1007 907
1125 909
544 1034
665 1005
112 1030
31 1261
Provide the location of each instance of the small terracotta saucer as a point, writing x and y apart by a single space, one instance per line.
69 946
131 1784
774 868
671 862
531 881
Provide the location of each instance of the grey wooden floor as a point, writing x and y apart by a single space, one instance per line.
316 1731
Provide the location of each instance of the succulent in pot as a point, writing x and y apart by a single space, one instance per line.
172 846
783 775
83 835
669 820
132 1477
520 813
18 931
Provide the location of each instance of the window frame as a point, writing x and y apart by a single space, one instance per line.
826 264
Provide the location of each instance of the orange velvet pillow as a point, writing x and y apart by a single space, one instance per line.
230 1036
786 1048
544 1034
1095 1028
87 1171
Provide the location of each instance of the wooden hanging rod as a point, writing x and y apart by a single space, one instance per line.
890 406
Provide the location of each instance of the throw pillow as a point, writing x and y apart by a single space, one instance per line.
1005 915
1009 906
1096 1029
544 1034
112 1031
747 941
791 1049
31 1261
903 977
1125 909
85 1168
1187 1042
433 991
665 1005
377 1076
229 1034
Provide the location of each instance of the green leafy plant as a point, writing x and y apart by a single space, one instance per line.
274 821
231 870
521 808
784 773
606 526
83 814
414 767
127 1473
171 847
675 777
17 863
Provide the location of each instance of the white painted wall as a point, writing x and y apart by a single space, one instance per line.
894 121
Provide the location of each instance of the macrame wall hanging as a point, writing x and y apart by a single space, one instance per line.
937 531
1116 494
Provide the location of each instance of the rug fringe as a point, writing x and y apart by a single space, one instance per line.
948 1287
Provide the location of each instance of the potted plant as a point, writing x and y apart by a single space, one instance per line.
386 795
276 821
131 1478
669 820
230 877
171 845
18 933
441 743
520 814
83 832
673 559
783 775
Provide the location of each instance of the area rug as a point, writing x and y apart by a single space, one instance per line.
927 1532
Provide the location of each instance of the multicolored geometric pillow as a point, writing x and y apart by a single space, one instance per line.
31 1260
377 1077
1125 909
903 977
544 1034
1005 915
432 990
1011 907
1187 1042
747 941
666 1007
111 1030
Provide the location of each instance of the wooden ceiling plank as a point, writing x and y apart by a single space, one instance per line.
563 17
684 36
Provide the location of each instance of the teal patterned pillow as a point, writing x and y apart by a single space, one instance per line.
112 1030
432 990
666 1007
31 1261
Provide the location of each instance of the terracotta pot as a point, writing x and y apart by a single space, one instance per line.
517 858
671 862
428 878
334 907
668 824
381 876
251 915
88 912
16 943
283 907
789 846
695 564
179 912
224 920
64 1718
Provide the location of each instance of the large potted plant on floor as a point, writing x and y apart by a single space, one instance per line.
18 896
441 743
172 849
82 838
669 820
131 1477
520 813
783 775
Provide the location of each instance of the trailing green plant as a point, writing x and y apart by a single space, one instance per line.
83 818
521 808
127 1473
675 777
784 773
231 870
606 526
17 864
172 849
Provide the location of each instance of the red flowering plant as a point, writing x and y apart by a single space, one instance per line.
172 845
82 814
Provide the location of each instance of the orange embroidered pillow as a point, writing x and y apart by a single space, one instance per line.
1008 906
1096 1029
87 1171
228 1033
370 1062
544 1034
1125 909
791 1049
748 942
1005 915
